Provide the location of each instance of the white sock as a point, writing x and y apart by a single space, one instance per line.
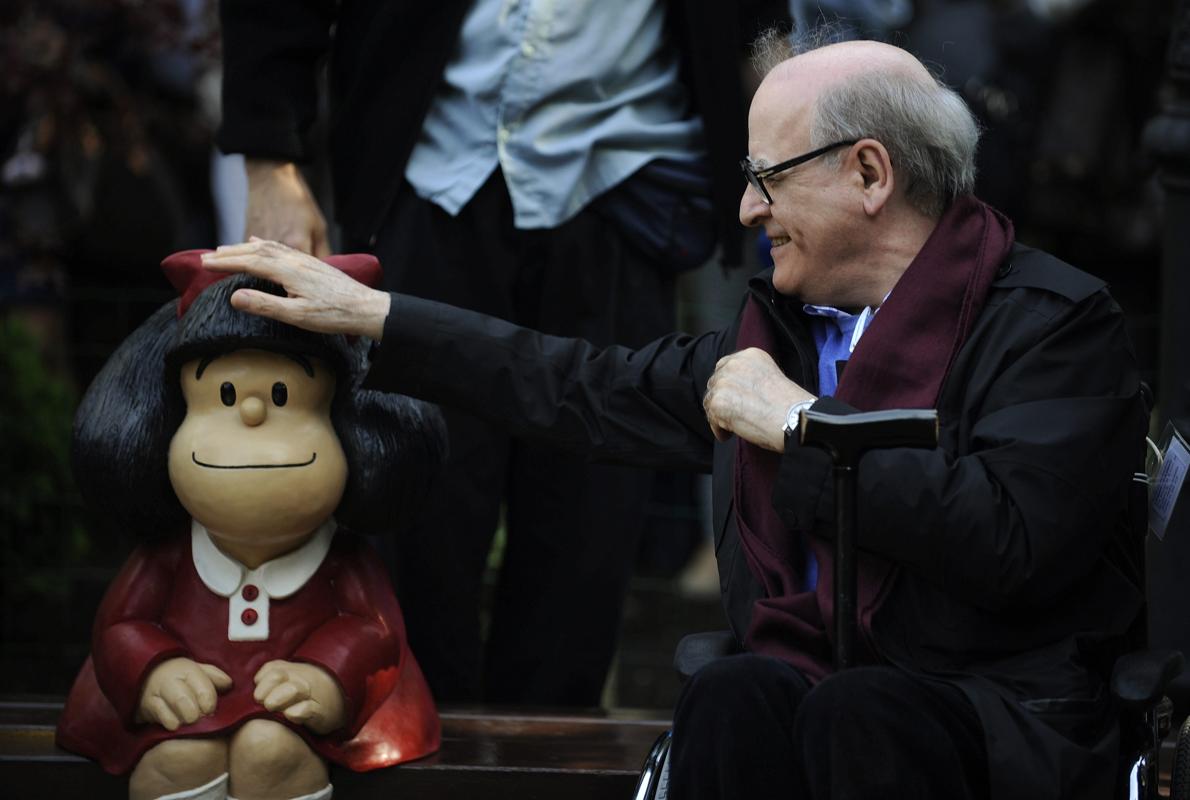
215 790
322 794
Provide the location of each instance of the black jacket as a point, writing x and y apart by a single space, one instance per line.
386 63
1018 577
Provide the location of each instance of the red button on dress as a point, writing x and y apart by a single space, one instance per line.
248 617
250 593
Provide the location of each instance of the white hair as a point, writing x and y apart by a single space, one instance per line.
929 132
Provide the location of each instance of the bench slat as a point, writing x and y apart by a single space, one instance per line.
484 754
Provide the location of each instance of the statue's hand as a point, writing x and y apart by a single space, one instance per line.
179 691
304 693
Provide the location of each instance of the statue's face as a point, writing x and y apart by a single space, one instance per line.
256 460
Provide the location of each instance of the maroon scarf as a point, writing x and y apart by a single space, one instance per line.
901 362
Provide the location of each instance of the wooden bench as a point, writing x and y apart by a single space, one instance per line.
485 754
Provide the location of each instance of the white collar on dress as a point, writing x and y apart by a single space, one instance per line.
280 577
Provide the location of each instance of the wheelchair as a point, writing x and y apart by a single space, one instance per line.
1139 682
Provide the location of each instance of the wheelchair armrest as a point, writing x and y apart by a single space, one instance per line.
1140 679
696 650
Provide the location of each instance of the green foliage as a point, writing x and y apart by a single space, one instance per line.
41 523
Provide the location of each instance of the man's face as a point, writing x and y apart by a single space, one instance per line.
808 223
256 459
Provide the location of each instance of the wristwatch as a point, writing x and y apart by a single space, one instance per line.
793 416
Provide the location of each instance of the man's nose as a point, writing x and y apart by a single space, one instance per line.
252 411
753 209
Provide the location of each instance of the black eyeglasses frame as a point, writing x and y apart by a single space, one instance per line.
756 176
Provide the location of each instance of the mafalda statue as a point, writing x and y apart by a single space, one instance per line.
252 637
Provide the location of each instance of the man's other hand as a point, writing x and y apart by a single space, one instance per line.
281 207
320 297
748 395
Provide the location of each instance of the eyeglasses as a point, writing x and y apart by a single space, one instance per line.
756 176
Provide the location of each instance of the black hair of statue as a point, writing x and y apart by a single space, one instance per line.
395 446
300 359
211 327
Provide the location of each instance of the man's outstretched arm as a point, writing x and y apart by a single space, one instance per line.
613 404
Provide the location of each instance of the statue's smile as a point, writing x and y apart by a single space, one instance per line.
252 466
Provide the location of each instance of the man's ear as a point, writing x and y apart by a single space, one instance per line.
875 170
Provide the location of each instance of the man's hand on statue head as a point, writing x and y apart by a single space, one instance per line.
281 207
748 396
320 297
304 693
179 691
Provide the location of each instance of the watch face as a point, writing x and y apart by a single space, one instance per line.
793 418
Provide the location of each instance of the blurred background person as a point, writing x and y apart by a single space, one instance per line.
553 164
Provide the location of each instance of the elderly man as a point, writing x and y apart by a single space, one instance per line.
996 585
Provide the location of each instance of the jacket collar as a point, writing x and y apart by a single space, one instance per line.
280 577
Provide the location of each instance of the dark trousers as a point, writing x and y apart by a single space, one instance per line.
751 726
572 526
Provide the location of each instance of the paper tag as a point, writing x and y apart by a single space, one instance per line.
1167 486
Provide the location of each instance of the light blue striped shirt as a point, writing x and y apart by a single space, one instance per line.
567 97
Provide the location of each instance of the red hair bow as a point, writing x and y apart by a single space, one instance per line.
189 277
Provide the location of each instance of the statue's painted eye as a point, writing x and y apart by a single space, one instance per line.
227 393
280 394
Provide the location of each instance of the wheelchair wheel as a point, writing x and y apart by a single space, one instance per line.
654 776
1179 788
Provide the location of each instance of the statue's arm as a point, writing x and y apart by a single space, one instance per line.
128 640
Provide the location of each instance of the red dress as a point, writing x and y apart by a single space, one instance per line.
344 618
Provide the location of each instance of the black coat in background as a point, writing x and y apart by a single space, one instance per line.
1018 581
386 63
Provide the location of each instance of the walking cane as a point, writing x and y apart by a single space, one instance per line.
846 437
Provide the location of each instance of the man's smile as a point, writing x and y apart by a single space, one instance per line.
194 458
